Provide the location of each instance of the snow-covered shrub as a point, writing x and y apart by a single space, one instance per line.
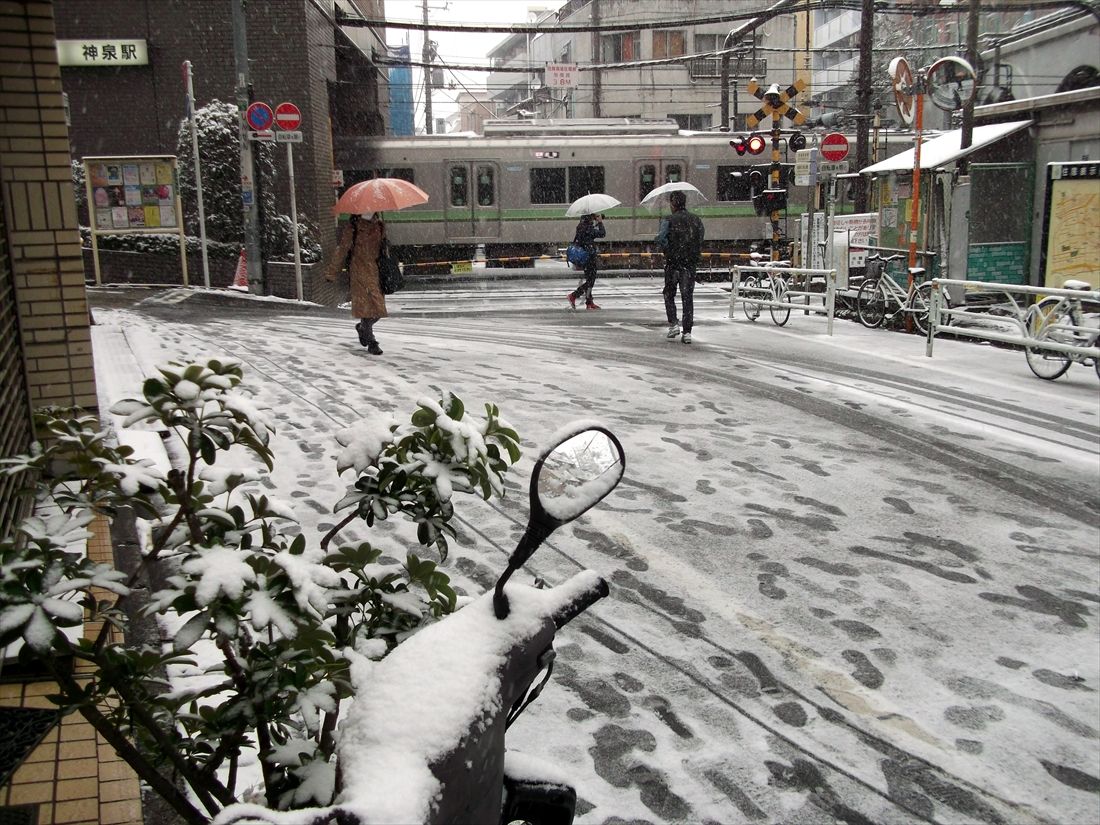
219 149
285 615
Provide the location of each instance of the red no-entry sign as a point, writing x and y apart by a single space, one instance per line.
288 116
834 146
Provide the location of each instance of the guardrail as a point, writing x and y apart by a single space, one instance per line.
1016 315
828 309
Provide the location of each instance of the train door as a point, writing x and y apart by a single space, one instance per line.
473 200
648 175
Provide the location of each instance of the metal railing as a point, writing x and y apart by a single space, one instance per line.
763 294
1014 314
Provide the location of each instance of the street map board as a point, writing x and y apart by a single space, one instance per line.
1071 243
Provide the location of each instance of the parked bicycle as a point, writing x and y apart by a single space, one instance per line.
882 300
769 281
1062 320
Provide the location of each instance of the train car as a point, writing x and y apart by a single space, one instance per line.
505 193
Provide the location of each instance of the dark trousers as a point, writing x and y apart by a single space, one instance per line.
585 289
365 328
684 278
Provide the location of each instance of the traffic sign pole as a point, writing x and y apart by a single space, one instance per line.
287 118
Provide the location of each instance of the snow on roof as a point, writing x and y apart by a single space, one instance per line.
945 148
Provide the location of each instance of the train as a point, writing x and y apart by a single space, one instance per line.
501 196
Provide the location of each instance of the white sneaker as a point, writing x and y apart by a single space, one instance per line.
673 330
686 338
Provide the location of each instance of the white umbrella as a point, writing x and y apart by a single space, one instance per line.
591 205
655 199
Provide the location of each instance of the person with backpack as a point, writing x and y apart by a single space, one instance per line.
681 239
589 228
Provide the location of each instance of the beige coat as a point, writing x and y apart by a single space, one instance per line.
364 239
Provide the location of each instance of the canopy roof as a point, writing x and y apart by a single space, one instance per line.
942 150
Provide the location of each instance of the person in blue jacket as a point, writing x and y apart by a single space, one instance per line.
589 228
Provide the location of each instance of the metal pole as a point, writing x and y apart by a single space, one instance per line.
863 98
294 220
914 211
198 171
427 54
967 136
249 199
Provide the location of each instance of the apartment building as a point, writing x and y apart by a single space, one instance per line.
647 72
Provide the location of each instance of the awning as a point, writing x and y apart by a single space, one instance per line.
942 150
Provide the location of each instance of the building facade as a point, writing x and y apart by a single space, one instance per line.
297 53
616 74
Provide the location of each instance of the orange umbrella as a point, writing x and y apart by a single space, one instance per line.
379 195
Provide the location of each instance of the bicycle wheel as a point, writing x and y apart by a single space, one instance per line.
870 303
1041 318
780 314
918 305
751 308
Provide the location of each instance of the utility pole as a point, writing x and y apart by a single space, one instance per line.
863 99
249 183
967 136
597 75
427 60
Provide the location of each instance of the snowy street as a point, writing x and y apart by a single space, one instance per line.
849 583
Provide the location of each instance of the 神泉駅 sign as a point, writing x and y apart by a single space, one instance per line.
102 53
133 195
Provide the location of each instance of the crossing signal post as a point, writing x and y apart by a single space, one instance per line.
776 103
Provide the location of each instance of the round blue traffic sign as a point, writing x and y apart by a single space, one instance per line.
259 116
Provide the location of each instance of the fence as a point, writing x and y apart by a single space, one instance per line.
767 296
1014 314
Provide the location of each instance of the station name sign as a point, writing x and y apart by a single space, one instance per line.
102 53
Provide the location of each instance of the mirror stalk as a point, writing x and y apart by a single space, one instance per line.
532 539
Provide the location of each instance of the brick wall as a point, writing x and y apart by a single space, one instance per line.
292 57
40 212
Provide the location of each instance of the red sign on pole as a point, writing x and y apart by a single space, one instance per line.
834 146
258 116
288 116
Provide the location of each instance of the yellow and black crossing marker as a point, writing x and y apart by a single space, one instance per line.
776 103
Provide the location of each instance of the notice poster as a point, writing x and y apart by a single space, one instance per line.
114 174
97 174
148 173
120 217
152 215
133 195
1071 243
164 173
167 216
131 176
103 219
137 216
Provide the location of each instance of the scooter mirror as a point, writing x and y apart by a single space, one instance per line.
568 479
577 474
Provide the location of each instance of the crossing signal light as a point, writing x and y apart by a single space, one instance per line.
797 141
757 180
754 144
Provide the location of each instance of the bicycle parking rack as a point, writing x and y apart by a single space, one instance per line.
767 297
937 311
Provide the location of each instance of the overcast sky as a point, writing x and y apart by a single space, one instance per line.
458 48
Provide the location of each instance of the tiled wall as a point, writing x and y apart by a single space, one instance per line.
40 213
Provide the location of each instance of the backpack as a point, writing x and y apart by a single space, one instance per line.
685 238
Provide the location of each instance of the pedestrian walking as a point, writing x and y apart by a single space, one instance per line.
589 228
358 250
681 238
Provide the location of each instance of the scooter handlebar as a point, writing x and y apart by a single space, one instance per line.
592 592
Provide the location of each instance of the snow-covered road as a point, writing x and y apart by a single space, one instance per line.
849 582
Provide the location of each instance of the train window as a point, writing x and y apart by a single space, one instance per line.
486 191
583 180
352 176
459 190
403 173
548 185
647 179
674 172
731 188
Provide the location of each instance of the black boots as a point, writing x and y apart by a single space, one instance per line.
367 339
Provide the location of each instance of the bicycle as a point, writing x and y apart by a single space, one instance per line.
1061 320
768 280
879 291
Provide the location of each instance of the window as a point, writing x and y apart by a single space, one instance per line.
404 173
486 191
647 177
459 189
668 44
565 185
548 185
674 172
693 123
733 183
621 47
706 43
584 180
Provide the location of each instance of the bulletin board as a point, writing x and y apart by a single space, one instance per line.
1071 242
134 195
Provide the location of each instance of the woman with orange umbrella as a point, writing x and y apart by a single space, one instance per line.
361 243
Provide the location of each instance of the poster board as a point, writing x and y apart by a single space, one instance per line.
1071 242
134 195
